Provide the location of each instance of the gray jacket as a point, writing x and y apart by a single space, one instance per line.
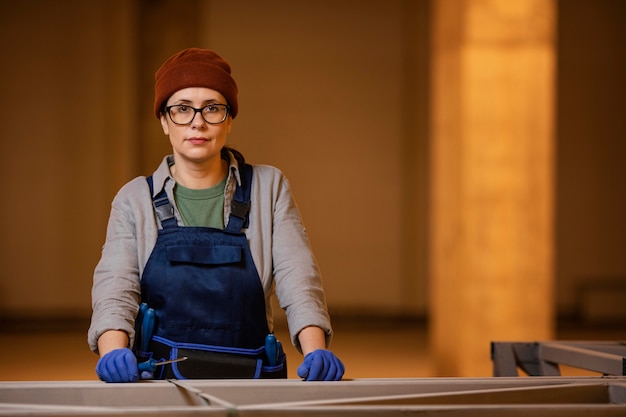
278 241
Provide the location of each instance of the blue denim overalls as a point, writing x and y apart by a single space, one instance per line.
208 298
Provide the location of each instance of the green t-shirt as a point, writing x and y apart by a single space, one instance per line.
204 207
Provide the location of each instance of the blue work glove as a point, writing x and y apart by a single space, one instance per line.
119 365
321 365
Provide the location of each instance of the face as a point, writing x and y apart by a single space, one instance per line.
198 141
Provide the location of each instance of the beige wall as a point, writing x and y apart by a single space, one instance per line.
65 112
591 119
312 75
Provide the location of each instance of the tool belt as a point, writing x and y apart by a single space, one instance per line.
213 362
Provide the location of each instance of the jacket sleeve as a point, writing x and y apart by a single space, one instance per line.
296 273
116 290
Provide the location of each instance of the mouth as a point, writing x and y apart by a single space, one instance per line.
197 140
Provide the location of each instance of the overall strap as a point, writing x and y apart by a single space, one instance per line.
240 206
162 206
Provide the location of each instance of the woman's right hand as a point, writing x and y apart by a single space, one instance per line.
118 365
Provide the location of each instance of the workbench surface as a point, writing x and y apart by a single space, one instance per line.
515 396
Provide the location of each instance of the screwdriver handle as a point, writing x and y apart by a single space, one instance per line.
149 365
147 329
271 349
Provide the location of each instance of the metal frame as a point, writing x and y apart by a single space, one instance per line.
440 397
544 358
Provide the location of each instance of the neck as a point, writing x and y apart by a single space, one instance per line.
199 175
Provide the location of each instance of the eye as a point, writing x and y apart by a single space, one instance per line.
183 109
211 108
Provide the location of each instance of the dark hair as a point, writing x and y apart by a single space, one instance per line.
238 155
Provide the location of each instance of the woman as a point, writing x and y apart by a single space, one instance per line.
194 252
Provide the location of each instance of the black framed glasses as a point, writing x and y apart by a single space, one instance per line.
183 114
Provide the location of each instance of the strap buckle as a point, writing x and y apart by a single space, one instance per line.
164 209
239 209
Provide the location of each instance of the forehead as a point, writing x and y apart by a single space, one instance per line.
196 95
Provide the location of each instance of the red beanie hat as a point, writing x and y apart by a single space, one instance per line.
194 67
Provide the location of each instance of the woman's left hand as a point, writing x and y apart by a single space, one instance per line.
321 365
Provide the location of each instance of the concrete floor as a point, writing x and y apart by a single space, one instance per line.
381 351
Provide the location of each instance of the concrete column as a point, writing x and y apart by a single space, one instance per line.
492 149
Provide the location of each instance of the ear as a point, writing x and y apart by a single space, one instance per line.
164 125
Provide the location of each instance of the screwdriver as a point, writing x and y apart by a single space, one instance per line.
151 364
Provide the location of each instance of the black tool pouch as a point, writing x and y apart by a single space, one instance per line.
214 362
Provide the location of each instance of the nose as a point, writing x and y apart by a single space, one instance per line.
198 120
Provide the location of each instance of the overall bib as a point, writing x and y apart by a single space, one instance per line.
207 297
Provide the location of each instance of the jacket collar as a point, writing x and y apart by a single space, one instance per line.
162 177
